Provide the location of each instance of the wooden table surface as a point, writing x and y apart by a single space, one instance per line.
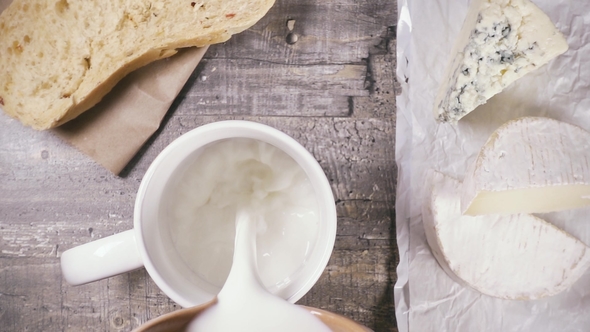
332 90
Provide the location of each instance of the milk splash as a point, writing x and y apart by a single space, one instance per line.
244 304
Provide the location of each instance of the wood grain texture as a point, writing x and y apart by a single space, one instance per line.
332 90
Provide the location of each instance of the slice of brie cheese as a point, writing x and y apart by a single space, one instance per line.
529 165
518 256
500 41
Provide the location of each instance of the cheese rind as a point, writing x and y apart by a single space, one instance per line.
529 165
517 257
500 41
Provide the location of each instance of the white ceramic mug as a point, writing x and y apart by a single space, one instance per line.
146 245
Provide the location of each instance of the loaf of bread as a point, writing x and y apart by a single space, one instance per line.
58 58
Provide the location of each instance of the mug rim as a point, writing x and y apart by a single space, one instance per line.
219 130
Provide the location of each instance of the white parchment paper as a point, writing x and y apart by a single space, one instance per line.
426 298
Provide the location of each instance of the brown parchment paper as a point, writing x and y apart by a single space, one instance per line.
114 130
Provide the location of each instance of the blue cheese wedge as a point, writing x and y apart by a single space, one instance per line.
529 165
516 257
500 41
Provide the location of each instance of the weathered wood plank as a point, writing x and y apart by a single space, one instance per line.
316 76
356 154
274 89
362 177
330 32
332 91
363 251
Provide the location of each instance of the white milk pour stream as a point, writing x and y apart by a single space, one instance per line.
244 304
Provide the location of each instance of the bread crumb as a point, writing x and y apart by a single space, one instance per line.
230 15
290 25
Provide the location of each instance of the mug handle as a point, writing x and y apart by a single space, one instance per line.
101 259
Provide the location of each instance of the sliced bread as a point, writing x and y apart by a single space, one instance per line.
58 58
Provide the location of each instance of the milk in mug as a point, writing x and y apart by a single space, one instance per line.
200 208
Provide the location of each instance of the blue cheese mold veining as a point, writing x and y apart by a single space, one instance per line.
500 41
